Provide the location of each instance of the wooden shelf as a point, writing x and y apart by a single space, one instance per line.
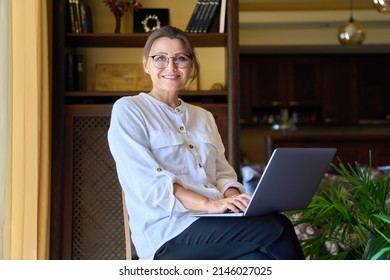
134 40
200 93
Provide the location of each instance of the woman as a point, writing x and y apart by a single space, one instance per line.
170 163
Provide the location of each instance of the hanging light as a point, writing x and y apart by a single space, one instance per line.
382 6
351 33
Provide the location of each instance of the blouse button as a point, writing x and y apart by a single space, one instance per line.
181 128
159 169
200 165
191 146
177 110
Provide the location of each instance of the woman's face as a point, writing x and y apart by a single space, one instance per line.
168 64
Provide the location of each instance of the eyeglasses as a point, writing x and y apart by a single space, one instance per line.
162 61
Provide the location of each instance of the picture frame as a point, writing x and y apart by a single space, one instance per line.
122 77
147 20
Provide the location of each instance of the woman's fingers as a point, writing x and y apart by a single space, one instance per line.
238 203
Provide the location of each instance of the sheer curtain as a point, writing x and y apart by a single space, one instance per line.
25 228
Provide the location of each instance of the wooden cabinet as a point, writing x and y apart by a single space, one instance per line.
80 120
303 81
355 89
372 88
338 104
270 83
273 82
263 81
281 81
336 89
93 226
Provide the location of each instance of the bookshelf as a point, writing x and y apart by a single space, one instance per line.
83 171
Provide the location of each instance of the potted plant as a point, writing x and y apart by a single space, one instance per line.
350 214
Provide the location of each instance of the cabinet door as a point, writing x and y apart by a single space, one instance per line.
373 87
93 213
246 87
281 81
303 81
339 104
269 83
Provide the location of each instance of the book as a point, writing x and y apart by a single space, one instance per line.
203 19
71 16
80 73
198 16
193 16
202 16
75 72
85 18
74 14
77 16
210 15
222 17
69 72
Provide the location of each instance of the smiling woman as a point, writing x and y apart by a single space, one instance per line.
170 161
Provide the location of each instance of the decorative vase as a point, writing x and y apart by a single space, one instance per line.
118 20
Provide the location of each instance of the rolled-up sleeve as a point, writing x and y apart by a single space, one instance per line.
226 176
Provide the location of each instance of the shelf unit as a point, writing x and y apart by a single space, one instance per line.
83 173
323 89
121 40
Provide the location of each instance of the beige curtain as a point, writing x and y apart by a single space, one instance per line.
4 114
27 191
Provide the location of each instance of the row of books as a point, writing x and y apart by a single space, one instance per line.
80 16
75 72
205 15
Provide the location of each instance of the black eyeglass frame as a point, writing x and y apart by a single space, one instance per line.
169 57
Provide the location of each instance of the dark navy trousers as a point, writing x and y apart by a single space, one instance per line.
268 237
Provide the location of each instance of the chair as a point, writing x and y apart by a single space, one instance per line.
131 254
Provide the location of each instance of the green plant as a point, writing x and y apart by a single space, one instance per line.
384 251
350 214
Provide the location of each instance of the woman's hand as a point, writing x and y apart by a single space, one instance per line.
235 203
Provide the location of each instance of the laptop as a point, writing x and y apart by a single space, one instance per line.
289 181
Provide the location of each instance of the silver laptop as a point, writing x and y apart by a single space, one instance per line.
289 181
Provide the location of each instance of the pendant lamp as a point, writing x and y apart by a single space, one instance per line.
382 6
351 33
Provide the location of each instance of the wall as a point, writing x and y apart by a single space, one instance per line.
314 30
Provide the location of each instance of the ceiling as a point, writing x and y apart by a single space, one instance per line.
291 5
309 25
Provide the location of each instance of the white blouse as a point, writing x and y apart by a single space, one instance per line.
154 146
